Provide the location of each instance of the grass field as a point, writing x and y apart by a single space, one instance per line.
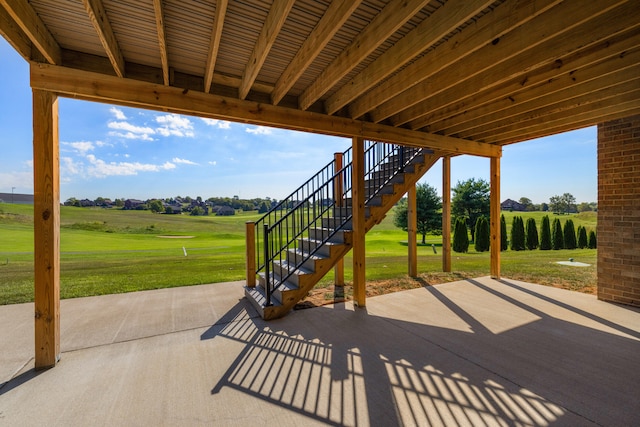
113 251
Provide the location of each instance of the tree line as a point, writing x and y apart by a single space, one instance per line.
470 207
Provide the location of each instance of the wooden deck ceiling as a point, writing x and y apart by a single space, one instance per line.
462 76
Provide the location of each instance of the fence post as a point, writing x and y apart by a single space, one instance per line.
250 228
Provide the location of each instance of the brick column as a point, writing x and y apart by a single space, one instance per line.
619 211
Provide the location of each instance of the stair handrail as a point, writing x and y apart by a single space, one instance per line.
383 161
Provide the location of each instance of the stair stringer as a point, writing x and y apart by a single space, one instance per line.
378 213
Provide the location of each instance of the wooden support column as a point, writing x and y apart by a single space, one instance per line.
338 189
46 180
446 214
250 235
495 217
357 202
412 225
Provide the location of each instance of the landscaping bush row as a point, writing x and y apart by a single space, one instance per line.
552 236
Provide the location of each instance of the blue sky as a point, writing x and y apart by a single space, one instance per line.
119 152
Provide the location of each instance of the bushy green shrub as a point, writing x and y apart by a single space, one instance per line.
517 234
557 238
504 242
460 236
583 240
593 244
532 235
482 235
545 234
569 235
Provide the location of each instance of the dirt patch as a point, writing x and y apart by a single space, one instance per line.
331 294
176 237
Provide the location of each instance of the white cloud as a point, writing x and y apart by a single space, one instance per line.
117 113
259 130
175 125
213 163
81 146
220 124
183 161
131 131
100 169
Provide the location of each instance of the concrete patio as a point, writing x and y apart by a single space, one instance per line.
474 352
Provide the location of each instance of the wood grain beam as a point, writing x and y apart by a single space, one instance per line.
395 14
98 87
571 84
275 20
335 16
444 20
446 214
358 220
46 229
544 118
494 217
162 40
412 225
608 86
30 23
214 45
577 63
98 16
12 32
538 42
488 28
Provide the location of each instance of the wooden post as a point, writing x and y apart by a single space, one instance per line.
338 188
446 214
495 217
412 225
46 230
250 233
357 201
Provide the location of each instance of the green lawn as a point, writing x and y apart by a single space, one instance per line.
111 251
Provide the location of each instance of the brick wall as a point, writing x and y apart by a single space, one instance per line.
619 211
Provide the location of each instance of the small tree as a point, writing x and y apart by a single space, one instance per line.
504 241
593 244
156 206
517 234
569 235
545 234
583 241
557 239
532 235
428 215
460 236
197 211
482 235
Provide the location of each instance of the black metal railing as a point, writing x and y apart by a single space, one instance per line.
293 231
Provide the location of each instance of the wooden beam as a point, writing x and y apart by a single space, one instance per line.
214 45
494 218
576 104
588 113
335 16
412 214
338 197
98 87
46 181
273 24
446 214
571 84
98 16
540 41
488 28
12 32
358 219
438 25
30 23
562 71
162 40
388 21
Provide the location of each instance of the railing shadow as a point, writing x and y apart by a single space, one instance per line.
346 367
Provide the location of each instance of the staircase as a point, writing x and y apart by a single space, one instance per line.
303 237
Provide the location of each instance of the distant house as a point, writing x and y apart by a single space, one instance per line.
225 211
512 205
132 204
23 199
174 209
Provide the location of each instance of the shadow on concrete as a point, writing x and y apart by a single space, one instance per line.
345 367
